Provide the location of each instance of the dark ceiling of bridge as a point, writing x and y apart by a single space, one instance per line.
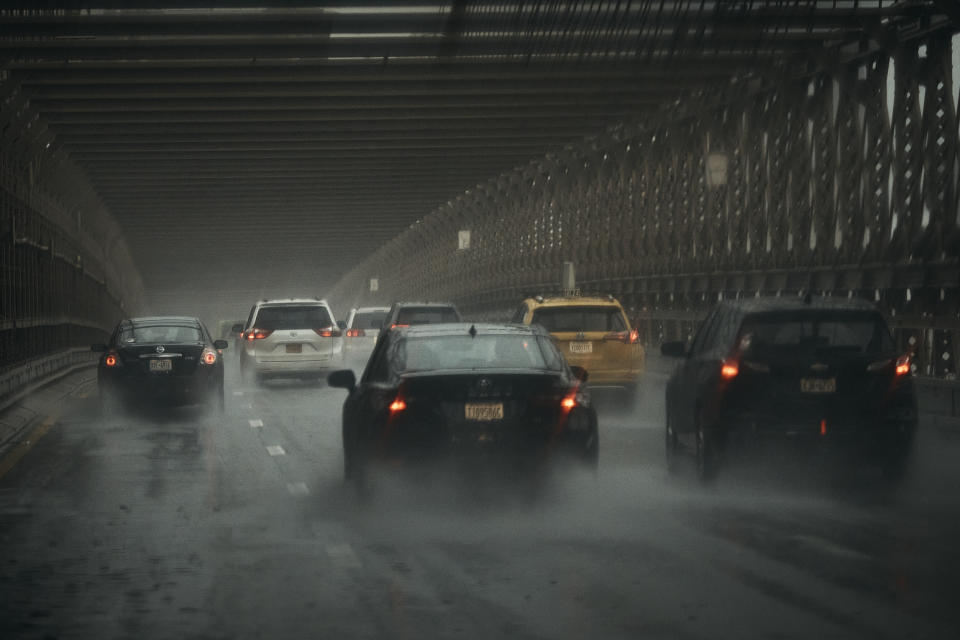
262 147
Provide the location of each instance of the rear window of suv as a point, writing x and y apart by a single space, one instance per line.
559 319
814 332
279 317
368 319
426 315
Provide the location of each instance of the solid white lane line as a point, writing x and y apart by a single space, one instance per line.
298 488
276 450
254 424
342 555
238 393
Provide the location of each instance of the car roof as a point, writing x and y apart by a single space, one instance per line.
145 320
791 303
463 328
370 309
406 303
282 301
573 301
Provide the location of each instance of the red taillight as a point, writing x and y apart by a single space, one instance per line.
569 402
729 370
110 360
397 405
328 332
823 427
903 366
209 356
355 333
628 337
258 334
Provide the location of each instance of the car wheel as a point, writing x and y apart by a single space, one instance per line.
672 446
108 402
706 456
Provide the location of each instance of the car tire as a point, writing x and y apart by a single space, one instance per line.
672 446
706 455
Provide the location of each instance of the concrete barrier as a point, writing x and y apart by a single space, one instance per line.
23 379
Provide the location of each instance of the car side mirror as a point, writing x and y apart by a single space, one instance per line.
342 324
674 349
237 328
344 379
220 344
579 372
99 348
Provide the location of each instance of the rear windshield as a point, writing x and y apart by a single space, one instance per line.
558 319
481 352
368 319
292 317
427 315
814 332
160 333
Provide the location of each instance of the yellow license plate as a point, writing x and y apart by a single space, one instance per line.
294 348
161 365
581 347
483 411
818 385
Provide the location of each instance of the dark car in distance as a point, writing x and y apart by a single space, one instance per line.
167 359
818 375
466 396
405 314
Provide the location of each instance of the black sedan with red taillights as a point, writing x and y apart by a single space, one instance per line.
165 359
817 376
466 396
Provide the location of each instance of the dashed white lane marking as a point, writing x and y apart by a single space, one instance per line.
276 450
298 488
249 405
254 424
238 393
342 555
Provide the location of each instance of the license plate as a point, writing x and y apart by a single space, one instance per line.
818 385
294 348
483 411
161 365
581 347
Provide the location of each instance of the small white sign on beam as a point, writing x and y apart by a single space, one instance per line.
717 162
374 284
463 239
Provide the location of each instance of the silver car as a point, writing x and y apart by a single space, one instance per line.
290 338
360 336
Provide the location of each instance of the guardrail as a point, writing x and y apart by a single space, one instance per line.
23 379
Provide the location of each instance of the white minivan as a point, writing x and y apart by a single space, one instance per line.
295 337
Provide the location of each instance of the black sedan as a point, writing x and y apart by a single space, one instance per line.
819 376
471 396
167 359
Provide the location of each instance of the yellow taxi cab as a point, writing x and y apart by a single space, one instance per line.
593 333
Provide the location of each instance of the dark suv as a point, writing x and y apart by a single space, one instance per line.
405 314
820 374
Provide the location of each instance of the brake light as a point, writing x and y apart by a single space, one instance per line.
394 326
569 402
903 365
355 333
209 356
110 360
397 405
628 337
258 334
328 332
729 370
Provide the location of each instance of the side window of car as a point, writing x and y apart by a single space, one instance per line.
377 367
519 314
700 340
249 324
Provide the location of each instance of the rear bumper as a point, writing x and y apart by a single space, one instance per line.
187 389
876 439
280 366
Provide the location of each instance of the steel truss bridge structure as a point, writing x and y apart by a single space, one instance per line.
676 152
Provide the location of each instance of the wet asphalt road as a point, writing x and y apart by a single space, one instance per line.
182 525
